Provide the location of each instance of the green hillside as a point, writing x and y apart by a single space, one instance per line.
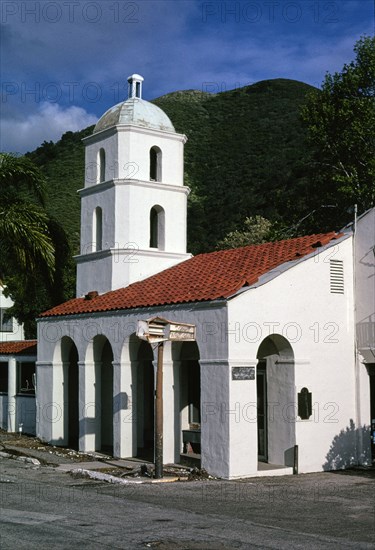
245 150
243 146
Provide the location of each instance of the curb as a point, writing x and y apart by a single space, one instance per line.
26 459
98 476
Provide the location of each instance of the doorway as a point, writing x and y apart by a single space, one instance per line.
276 387
189 402
73 414
145 402
69 358
262 411
106 398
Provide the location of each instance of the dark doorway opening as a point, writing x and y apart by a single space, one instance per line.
146 403
73 417
106 390
262 411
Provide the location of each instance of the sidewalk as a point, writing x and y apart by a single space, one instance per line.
48 455
94 465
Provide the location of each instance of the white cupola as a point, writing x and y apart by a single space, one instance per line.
133 204
135 86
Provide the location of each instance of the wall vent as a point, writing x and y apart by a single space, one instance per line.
336 274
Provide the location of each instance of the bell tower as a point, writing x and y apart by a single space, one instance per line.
133 204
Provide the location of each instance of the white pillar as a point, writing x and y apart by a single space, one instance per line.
169 417
44 400
124 409
89 406
12 391
238 415
216 417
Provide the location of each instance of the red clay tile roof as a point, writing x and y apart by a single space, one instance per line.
24 347
205 277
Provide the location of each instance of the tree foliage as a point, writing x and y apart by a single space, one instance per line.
35 256
256 230
39 291
340 120
25 242
242 147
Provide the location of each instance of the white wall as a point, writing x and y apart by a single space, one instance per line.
319 326
106 199
126 209
364 243
119 268
134 150
365 285
127 150
17 333
109 142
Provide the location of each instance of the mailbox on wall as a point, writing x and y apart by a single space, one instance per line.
304 404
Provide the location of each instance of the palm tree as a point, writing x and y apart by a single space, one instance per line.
25 243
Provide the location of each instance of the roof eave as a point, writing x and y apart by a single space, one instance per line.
202 304
282 268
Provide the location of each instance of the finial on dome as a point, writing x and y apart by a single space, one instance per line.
135 86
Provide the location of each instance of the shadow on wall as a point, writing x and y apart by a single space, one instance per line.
343 450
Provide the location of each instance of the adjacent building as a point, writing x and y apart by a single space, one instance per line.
17 373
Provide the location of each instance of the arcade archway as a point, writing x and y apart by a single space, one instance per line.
276 401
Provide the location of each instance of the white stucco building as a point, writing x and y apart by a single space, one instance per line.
17 370
10 329
17 386
277 379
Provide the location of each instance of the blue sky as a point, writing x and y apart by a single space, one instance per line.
64 63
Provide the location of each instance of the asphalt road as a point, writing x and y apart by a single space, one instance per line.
42 508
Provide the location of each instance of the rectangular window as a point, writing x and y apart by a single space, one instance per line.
336 274
26 376
6 322
3 377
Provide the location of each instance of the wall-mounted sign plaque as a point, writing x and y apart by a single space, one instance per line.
243 373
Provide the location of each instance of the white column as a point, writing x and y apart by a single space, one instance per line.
239 416
216 417
124 409
169 416
12 391
89 406
44 400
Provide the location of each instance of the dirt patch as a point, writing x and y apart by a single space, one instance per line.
12 441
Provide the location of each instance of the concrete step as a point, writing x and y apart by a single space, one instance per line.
192 460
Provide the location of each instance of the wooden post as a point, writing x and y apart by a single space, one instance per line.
159 415
295 462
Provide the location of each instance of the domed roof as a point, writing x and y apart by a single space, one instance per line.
135 110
